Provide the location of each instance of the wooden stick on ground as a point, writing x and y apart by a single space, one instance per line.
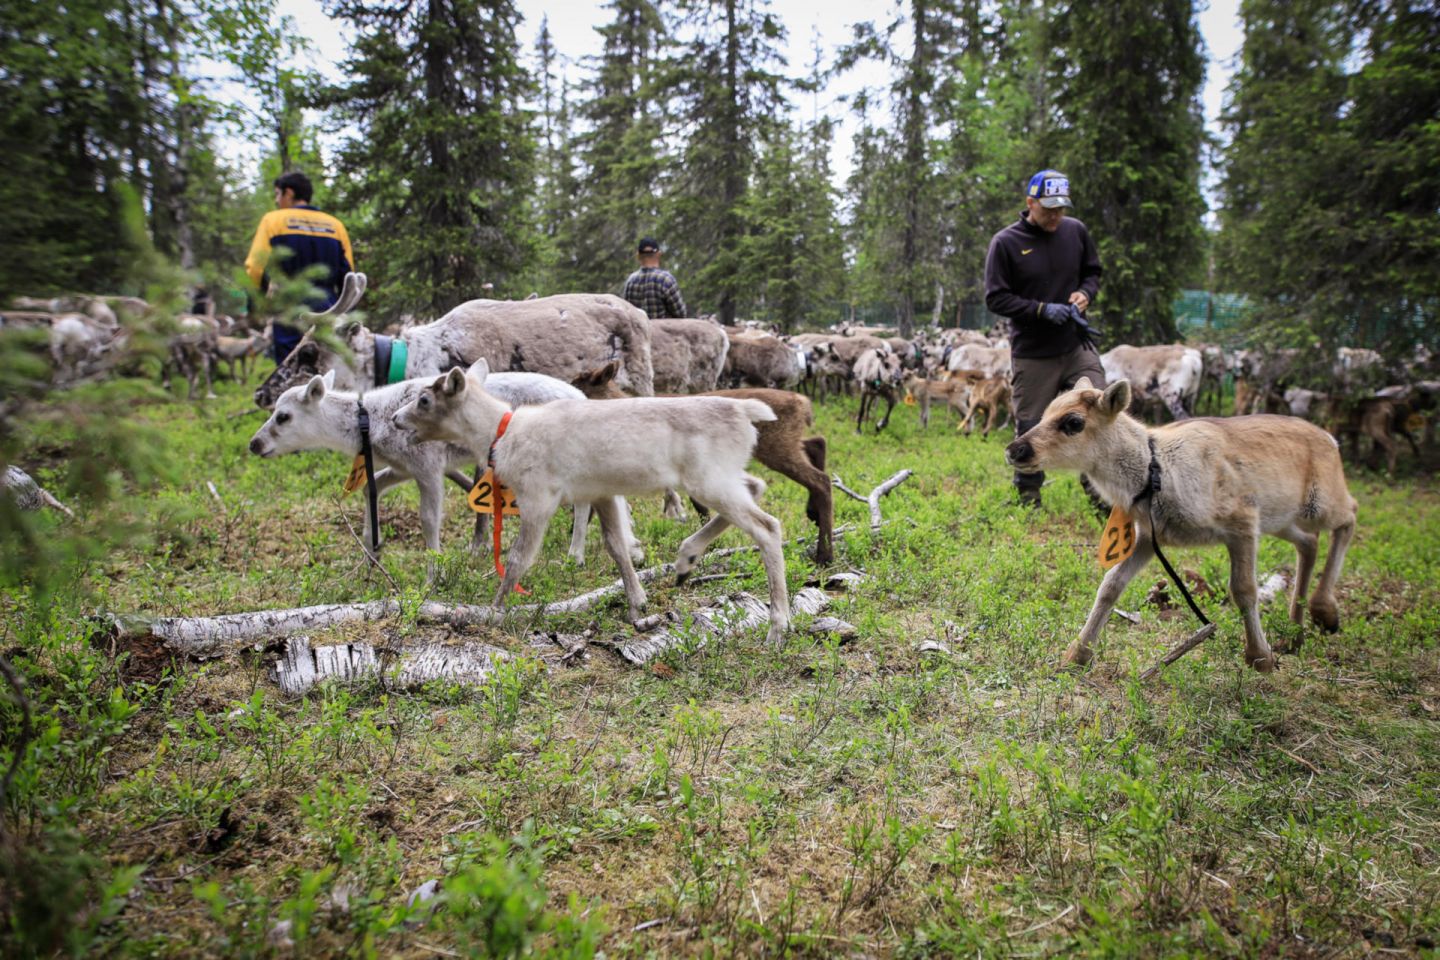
873 500
1197 638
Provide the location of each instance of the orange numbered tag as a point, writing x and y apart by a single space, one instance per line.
1118 540
909 400
480 496
1415 422
356 480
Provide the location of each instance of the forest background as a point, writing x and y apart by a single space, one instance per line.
466 154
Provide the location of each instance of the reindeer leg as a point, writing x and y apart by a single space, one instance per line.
1117 578
613 531
539 508
674 509
577 533
1323 609
1243 589
1306 550
990 422
890 401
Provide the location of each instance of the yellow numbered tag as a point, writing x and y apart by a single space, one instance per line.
356 480
1415 422
1118 540
909 400
480 495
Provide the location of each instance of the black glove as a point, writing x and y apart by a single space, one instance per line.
1085 331
1057 313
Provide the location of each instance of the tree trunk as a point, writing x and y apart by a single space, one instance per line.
184 133
734 181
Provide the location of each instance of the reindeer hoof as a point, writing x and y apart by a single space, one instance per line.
1265 664
1077 656
1327 617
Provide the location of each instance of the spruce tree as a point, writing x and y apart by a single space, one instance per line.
442 168
792 254
622 155
1331 183
998 117
729 91
1127 82
906 203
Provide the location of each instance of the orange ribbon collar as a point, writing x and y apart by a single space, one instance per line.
496 501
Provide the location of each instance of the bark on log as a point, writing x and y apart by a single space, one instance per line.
27 494
302 666
741 611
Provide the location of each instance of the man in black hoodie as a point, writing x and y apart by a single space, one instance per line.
1042 272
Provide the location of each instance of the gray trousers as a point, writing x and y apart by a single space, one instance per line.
1035 381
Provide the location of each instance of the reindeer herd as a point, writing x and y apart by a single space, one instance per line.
580 400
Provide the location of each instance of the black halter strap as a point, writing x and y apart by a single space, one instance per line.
1152 487
372 492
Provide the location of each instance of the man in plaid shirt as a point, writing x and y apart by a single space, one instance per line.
652 289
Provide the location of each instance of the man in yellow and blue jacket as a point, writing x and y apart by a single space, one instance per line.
309 237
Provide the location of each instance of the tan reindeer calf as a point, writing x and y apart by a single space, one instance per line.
953 393
1220 481
580 451
993 396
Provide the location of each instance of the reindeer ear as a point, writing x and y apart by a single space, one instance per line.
1115 400
480 370
329 380
608 372
1084 384
453 383
316 388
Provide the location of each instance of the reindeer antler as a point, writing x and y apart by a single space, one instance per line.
350 293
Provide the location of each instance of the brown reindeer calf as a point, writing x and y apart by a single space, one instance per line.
780 444
1219 481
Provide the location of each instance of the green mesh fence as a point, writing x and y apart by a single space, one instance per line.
1200 312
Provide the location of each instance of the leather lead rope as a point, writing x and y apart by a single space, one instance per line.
1152 487
372 492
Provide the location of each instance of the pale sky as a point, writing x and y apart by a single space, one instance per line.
573 22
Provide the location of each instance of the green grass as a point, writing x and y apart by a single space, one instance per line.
855 800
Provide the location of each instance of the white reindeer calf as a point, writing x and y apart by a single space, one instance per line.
314 416
588 452
1220 481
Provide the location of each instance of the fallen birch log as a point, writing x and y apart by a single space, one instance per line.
27 494
735 614
302 666
228 633
873 499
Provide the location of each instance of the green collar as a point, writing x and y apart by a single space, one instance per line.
399 356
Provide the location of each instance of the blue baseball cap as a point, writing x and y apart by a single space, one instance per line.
1050 188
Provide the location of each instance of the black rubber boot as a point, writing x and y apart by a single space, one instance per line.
1028 485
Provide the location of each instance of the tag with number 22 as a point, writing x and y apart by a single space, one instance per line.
480 496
